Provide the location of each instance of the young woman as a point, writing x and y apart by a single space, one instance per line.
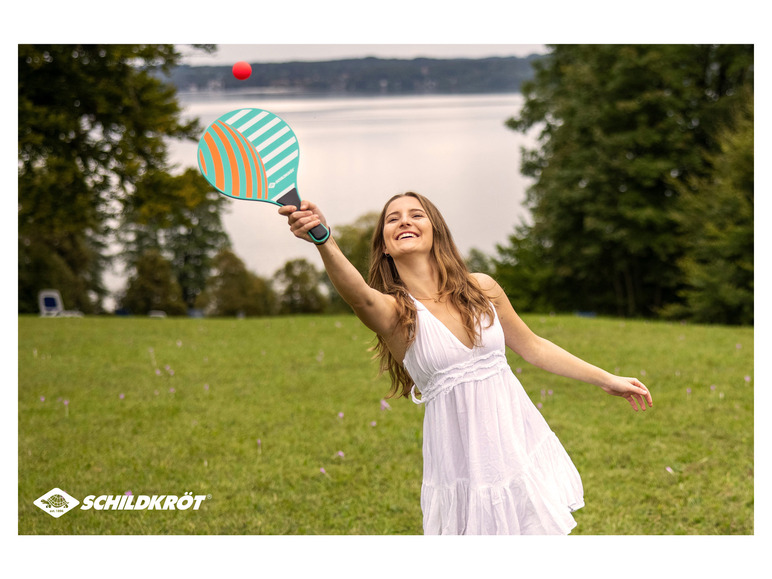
491 463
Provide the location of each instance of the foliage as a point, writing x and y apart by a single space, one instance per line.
177 405
617 124
715 216
68 262
93 119
479 262
180 216
153 287
235 291
524 271
300 291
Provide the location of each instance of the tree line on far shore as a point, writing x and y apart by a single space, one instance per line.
366 76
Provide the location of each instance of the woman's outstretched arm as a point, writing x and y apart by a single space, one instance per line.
376 310
545 355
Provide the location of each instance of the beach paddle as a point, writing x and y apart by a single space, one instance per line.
252 154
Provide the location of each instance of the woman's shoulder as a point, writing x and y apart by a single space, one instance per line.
486 282
489 286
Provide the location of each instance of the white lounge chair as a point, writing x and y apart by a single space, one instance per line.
51 305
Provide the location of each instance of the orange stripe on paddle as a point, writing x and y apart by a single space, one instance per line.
239 138
219 179
235 185
202 161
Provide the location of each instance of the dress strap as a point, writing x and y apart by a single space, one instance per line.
419 306
412 395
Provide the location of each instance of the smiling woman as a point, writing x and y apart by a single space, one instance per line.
491 463
406 226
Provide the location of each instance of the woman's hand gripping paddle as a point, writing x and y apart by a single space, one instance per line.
253 154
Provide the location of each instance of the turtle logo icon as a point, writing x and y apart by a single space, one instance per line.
56 502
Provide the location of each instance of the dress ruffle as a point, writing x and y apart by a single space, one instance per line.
522 505
478 369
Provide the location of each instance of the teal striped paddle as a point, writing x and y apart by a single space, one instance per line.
253 155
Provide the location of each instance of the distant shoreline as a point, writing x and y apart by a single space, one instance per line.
364 76
215 95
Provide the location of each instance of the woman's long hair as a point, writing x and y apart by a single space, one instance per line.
455 284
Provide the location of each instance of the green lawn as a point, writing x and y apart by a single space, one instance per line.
165 407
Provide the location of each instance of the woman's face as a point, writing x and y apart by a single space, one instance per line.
407 228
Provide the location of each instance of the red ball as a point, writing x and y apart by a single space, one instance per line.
242 70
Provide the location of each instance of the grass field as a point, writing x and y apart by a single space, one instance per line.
279 422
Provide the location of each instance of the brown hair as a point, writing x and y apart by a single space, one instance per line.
456 284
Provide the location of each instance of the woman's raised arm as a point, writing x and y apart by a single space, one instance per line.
377 311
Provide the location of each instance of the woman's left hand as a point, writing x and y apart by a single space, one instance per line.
630 389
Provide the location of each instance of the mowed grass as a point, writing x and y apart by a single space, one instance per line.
165 407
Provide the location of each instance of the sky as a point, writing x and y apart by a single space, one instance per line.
231 53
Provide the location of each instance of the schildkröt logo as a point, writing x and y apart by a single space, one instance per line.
143 502
56 502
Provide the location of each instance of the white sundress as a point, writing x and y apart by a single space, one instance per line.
492 465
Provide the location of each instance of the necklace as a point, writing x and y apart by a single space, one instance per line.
435 300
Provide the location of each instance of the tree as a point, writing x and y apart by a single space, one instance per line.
233 290
715 218
153 287
181 217
617 125
92 120
479 262
300 282
524 271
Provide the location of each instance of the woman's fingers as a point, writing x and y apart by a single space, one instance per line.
302 220
642 394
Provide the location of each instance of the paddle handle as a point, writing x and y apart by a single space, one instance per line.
320 233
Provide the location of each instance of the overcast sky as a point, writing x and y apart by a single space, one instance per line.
231 53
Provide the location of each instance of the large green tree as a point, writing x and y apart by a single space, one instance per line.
93 119
179 215
617 124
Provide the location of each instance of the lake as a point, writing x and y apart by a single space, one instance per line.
356 152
